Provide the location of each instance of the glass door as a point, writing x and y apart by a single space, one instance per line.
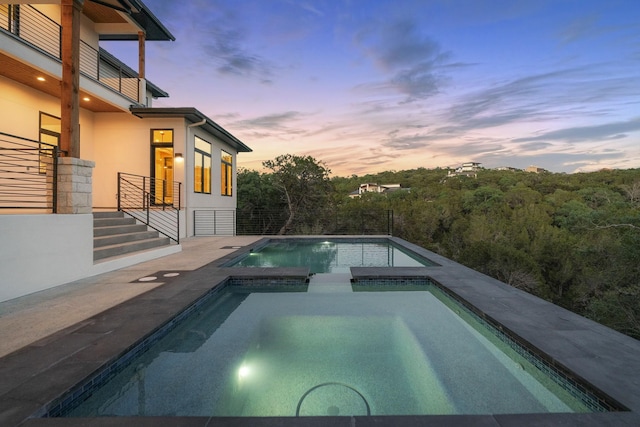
162 166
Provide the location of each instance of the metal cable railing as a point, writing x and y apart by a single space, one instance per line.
269 222
114 77
89 60
28 174
32 26
154 202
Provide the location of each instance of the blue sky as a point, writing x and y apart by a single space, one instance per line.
372 85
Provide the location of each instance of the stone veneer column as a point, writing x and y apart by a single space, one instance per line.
74 185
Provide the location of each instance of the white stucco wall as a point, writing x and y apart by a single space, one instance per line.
122 143
38 252
20 108
213 201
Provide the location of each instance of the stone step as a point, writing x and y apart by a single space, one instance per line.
114 239
116 234
120 249
108 214
105 222
118 229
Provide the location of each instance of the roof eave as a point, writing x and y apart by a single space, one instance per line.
142 15
194 116
156 92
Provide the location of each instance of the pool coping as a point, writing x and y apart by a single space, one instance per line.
38 374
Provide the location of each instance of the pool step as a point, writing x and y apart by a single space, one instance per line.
330 282
116 235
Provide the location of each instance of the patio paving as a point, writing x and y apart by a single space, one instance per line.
27 319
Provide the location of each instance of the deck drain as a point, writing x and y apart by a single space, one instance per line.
332 399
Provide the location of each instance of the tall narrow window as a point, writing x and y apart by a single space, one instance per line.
202 166
162 166
226 173
50 128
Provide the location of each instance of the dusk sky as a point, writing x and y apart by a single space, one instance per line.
372 85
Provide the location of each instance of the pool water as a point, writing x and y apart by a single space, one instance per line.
330 256
325 353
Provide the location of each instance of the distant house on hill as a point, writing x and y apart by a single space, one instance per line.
467 169
535 169
507 168
375 188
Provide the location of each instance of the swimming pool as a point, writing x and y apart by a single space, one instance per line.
330 256
49 378
410 352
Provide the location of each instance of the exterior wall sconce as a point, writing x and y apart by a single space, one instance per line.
179 157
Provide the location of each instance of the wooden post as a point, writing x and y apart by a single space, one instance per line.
70 85
141 54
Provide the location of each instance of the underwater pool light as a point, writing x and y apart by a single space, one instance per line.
243 371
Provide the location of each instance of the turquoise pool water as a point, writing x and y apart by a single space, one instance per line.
410 352
330 256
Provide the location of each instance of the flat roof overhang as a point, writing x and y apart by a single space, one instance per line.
194 116
27 75
106 12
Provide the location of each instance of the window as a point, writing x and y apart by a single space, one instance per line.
202 166
50 128
162 166
226 173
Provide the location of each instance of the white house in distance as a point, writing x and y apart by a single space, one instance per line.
468 169
374 188
79 135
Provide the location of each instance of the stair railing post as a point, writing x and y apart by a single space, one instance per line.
164 193
119 192
144 192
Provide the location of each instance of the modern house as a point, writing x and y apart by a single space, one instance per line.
467 169
374 188
80 137
535 169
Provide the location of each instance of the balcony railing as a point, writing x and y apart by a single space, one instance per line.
39 31
28 174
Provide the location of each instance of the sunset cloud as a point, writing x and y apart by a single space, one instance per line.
405 84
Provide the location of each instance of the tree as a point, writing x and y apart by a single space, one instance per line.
259 205
633 192
304 185
256 191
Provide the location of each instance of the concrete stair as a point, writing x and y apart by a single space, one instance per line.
116 234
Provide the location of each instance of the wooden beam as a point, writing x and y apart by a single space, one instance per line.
141 54
70 85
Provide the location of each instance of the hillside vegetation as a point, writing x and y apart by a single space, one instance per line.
572 239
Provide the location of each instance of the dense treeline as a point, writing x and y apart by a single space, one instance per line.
573 239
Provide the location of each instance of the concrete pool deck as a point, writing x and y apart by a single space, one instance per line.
32 317
54 339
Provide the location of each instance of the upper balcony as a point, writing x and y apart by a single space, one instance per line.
33 47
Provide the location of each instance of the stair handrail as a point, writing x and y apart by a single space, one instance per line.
140 189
